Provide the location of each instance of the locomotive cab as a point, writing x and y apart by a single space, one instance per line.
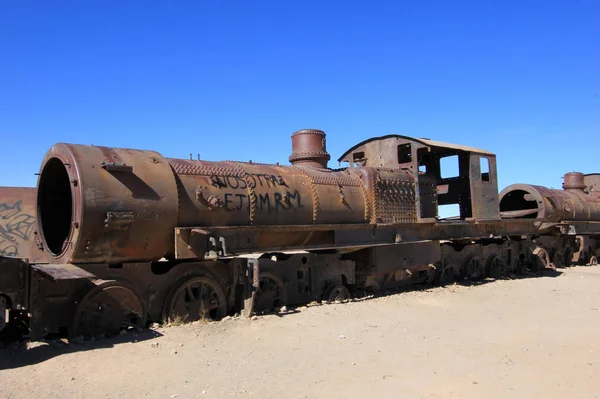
448 178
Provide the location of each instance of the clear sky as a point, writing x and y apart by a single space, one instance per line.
234 79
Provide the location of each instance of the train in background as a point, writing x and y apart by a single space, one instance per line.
120 237
576 206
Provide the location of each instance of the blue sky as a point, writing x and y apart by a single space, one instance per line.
234 79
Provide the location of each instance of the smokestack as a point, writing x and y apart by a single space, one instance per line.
574 181
308 149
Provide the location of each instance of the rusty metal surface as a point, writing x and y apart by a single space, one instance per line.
473 189
53 304
307 277
61 272
575 203
309 149
17 221
592 181
574 181
106 307
133 205
337 197
100 204
391 194
111 214
395 139
394 198
113 205
14 279
238 194
484 188
238 240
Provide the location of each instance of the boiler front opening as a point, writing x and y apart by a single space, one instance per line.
519 200
55 205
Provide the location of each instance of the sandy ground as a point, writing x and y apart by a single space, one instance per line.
529 338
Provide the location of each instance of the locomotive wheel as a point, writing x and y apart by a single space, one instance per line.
568 255
447 273
593 261
196 298
107 308
474 269
337 293
540 260
271 293
495 266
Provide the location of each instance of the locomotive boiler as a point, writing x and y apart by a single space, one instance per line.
99 204
576 208
578 200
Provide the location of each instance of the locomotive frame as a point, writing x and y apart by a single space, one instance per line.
127 236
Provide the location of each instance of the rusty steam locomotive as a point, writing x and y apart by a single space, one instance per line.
125 236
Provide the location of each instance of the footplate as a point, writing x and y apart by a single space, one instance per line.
62 272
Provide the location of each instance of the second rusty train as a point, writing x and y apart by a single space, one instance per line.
122 236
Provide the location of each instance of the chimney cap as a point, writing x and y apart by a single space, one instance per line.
574 181
309 149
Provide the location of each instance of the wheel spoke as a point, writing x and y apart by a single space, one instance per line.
195 299
271 292
190 293
105 308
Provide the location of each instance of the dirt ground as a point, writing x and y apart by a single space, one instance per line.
528 338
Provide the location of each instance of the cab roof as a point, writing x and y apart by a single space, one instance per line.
422 141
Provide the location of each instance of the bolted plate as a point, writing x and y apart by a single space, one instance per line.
62 271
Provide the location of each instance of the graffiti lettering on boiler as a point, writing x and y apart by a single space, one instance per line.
15 225
284 200
269 202
251 179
